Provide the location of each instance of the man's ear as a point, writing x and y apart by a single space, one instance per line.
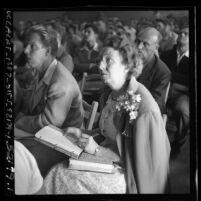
157 46
127 68
48 51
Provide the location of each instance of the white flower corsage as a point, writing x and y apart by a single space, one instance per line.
129 102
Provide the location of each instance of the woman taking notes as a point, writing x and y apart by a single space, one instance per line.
134 127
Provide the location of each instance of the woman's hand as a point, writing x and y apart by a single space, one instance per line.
72 130
84 141
87 142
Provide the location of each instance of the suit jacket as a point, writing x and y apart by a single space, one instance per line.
55 100
155 77
180 72
145 147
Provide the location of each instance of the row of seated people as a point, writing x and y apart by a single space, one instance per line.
52 95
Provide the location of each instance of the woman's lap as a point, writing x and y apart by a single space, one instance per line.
61 180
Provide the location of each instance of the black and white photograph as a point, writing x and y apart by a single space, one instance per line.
103 101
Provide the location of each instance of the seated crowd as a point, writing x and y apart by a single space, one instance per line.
142 58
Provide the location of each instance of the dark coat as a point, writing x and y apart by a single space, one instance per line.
180 72
155 77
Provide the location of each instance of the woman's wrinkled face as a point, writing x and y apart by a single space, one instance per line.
112 70
35 51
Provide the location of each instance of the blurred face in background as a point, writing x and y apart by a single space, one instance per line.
90 36
120 32
35 51
160 27
183 36
112 70
101 26
111 32
21 26
130 34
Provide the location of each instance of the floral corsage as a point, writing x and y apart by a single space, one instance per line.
129 102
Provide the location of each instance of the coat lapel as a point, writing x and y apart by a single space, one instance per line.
38 95
41 89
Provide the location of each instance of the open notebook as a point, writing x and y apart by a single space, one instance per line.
79 160
53 137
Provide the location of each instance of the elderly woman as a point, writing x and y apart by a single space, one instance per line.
134 130
55 97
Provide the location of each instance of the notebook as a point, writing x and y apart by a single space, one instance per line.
54 138
93 163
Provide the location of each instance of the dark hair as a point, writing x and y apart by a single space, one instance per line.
71 26
163 21
48 37
89 25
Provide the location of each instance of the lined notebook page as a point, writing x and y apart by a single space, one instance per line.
56 138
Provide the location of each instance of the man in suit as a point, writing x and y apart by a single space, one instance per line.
55 97
155 75
177 60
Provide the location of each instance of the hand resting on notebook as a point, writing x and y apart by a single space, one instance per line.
85 141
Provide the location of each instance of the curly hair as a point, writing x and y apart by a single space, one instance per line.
131 58
47 36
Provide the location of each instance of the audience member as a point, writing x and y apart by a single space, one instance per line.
62 54
18 49
28 179
21 30
141 146
177 60
169 38
86 54
55 97
155 75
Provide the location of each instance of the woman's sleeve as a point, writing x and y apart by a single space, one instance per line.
151 155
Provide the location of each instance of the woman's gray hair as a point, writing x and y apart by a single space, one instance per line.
48 37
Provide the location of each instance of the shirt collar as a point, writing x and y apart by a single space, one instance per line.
95 47
184 54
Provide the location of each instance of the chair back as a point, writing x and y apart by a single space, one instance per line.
167 92
164 116
90 84
90 114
